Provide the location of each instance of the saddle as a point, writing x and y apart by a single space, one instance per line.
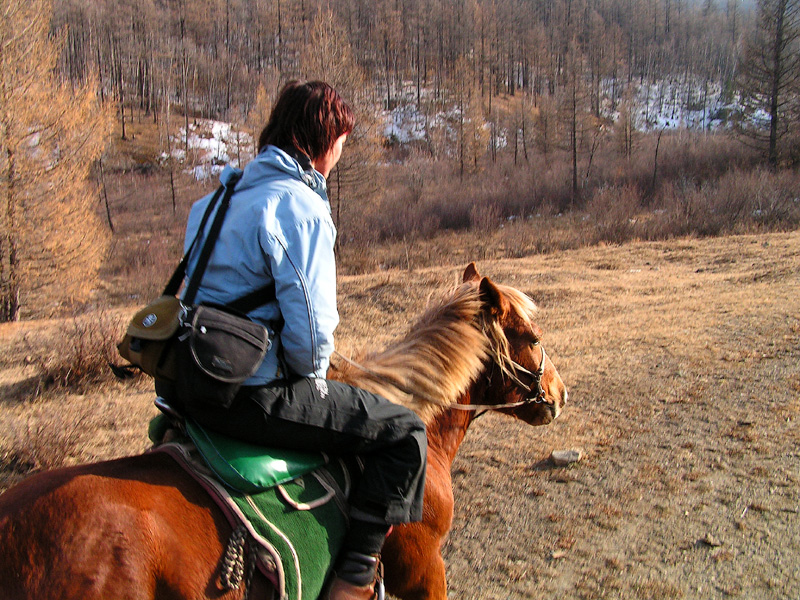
291 506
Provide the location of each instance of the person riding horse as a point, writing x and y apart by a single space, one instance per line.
279 229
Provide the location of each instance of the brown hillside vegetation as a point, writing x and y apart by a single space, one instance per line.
681 359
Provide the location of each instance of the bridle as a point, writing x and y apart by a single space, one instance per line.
535 391
538 395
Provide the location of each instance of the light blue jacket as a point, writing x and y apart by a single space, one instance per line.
278 227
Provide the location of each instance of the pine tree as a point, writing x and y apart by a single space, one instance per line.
51 239
769 79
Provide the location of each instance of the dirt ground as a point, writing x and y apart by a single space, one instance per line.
682 364
681 360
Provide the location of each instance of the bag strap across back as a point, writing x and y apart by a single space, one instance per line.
247 302
174 283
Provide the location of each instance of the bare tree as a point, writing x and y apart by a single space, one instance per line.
626 134
473 136
223 47
324 57
574 108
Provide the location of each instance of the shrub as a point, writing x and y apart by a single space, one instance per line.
44 441
484 217
613 212
404 214
79 356
739 202
704 184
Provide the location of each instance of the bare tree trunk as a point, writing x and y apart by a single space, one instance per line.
655 163
172 188
104 194
338 197
100 74
419 68
493 138
388 71
573 140
184 69
170 159
775 88
117 62
524 141
280 38
461 134
592 151
9 311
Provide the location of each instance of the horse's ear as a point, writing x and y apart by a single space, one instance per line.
471 273
493 299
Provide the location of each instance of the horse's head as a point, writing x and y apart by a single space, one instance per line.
478 346
522 379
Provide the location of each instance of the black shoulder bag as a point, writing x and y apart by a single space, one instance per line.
205 351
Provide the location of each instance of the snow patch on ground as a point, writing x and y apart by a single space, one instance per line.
691 104
212 145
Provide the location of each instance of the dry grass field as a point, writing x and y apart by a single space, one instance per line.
682 362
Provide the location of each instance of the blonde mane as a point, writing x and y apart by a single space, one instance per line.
441 355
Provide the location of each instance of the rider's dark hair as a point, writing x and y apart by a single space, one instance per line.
307 117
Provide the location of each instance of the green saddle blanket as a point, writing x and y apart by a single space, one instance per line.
296 502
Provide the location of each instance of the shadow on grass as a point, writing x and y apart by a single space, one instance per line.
20 391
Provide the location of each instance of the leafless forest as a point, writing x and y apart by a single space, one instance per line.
212 55
537 125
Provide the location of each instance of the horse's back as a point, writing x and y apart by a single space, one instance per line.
134 528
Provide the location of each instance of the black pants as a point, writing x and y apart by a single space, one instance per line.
332 417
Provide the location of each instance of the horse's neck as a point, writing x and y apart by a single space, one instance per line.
447 430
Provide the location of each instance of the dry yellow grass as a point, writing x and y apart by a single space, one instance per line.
682 363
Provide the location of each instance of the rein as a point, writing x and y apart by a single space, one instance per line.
535 388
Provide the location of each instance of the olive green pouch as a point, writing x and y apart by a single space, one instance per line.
149 337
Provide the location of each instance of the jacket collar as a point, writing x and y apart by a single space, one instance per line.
297 165
275 158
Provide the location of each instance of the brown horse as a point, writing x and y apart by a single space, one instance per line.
138 528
